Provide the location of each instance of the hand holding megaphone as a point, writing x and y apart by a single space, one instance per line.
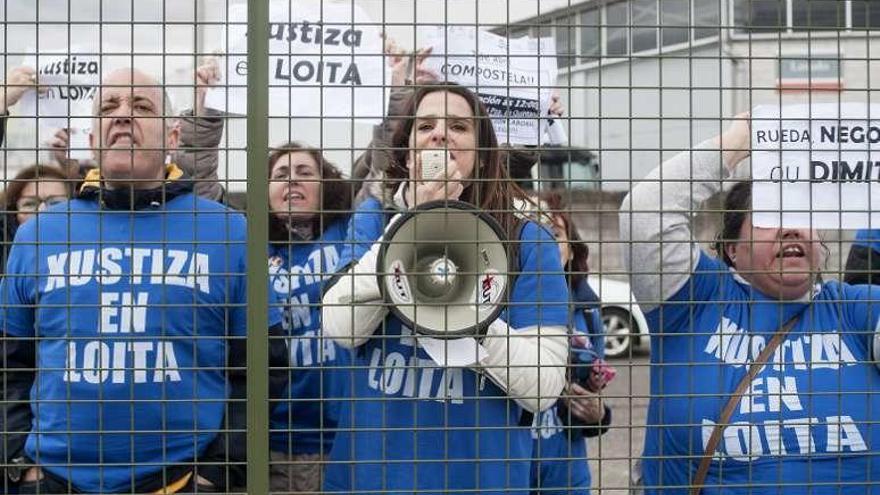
440 178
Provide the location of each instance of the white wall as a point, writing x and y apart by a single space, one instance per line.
635 114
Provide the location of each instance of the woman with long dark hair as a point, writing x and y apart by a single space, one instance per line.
414 424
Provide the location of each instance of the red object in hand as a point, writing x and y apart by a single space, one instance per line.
601 376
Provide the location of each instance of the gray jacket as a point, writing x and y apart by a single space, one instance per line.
198 154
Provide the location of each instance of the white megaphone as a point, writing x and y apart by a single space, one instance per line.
443 269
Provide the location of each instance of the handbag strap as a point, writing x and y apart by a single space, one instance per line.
727 412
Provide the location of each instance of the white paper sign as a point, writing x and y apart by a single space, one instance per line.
78 145
816 166
513 77
453 353
71 81
325 60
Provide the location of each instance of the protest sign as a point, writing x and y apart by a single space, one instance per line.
816 166
325 60
71 81
513 77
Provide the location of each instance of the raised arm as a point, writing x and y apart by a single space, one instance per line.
19 81
659 250
406 69
201 130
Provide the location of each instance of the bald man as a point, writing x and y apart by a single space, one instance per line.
123 312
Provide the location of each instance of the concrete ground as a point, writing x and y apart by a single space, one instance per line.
612 454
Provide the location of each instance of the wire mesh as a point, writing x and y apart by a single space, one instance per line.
493 287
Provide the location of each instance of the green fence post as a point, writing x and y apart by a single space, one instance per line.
258 238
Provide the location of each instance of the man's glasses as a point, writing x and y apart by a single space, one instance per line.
33 203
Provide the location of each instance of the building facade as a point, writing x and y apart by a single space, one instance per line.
646 78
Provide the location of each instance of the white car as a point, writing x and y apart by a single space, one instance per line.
626 329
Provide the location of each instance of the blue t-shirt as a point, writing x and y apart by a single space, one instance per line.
559 459
559 462
132 312
808 418
304 421
414 426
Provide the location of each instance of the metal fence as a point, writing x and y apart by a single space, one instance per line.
143 351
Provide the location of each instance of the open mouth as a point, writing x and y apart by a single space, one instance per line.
294 196
791 251
125 138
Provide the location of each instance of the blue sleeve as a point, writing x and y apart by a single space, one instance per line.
18 289
238 282
589 305
366 226
238 305
540 294
707 282
862 303
597 337
868 238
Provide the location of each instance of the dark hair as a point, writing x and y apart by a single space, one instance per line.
490 188
33 173
577 268
737 204
336 192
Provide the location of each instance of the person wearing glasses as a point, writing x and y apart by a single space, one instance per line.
32 190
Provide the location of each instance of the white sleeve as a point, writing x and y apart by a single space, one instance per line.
527 363
353 308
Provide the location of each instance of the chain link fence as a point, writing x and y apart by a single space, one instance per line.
488 286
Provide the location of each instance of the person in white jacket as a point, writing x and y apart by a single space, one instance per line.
414 424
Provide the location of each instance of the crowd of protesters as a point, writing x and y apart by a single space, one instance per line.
123 318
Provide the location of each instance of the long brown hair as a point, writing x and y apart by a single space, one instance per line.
336 192
33 173
490 188
578 266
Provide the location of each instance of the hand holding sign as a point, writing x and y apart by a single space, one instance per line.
323 62
68 83
512 77
557 109
407 68
735 142
816 166
59 145
19 81
207 75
